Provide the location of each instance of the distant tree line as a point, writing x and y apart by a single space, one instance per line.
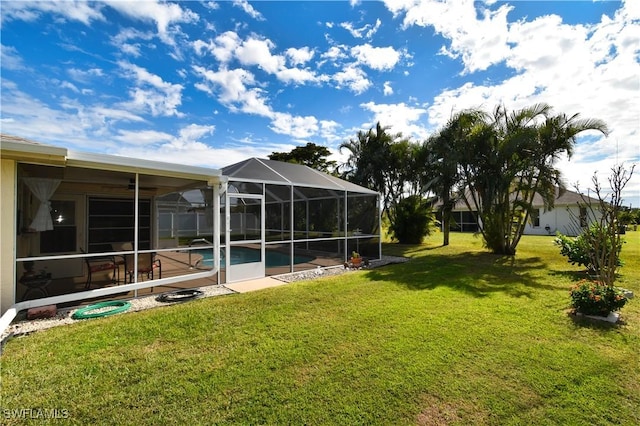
493 162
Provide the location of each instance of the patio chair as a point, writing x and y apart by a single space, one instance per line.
101 264
148 263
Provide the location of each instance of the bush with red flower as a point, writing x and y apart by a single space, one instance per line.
596 298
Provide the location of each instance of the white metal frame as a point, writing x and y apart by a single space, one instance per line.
244 271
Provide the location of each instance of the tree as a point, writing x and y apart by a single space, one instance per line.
386 163
440 156
413 219
507 159
369 160
604 238
311 155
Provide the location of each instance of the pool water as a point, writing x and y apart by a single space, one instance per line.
240 255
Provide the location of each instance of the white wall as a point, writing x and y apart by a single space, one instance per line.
559 220
7 233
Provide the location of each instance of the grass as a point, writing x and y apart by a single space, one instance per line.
456 336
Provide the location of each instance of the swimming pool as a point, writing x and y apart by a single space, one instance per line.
240 255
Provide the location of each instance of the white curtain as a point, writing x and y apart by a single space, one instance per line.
43 189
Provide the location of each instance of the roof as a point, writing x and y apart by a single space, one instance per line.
567 198
17 148
25 150
280 173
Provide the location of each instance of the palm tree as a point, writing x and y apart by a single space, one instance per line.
441 155
510 159
368 163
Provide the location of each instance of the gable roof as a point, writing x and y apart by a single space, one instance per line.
280 173
567 198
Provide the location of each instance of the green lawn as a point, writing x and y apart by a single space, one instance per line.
456 336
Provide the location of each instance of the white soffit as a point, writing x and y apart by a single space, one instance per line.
148 167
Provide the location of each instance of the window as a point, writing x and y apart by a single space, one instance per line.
111 220
62 239
534 217
583 217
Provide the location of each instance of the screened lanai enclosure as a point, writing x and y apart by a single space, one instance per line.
275 218
94 226
281 217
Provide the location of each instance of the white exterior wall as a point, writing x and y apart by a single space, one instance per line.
7 233
558 220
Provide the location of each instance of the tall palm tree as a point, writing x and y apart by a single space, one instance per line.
368 162
442 154
554 137
511 158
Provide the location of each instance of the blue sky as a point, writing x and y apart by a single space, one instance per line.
212 83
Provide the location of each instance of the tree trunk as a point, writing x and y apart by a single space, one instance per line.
446 221
445 231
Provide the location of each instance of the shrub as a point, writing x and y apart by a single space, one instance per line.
413 219
585 249
596 298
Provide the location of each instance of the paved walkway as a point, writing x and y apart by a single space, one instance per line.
252 285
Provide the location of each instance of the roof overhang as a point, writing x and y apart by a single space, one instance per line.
19 149
147 167
27 151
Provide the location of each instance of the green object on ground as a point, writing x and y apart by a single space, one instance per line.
85 313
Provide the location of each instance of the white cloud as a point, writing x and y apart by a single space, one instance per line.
296 75
299 56
231 87
68 85
367 31
328 131
10 59
161 146
254 51
164 15
296 126
387 89
76 10
142 137
85 127
479 42
121 40
232 90
377 58
244 5
352 77
153 93
195 131
188 147
106 114
85 76
334 53
231 82
224 46
399 117
257 52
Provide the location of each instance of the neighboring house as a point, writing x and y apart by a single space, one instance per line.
77 226
569 207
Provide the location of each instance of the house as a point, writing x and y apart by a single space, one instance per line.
569 207
79 226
